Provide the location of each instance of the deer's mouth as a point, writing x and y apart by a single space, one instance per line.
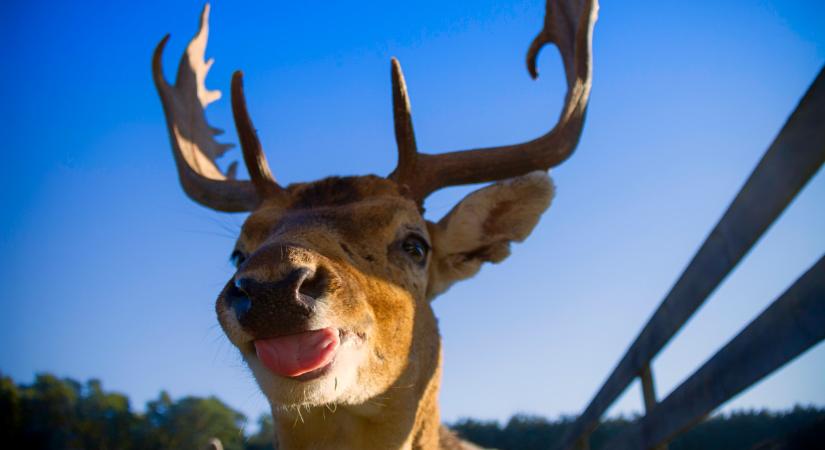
300 356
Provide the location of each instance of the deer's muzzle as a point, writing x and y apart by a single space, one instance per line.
277 291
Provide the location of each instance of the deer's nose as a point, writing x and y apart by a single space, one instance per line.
297 291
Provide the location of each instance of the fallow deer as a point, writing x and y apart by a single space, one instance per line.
330 303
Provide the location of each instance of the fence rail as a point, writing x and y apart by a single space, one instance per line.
792 324
790 162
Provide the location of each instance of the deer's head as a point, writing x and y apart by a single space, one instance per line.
331 299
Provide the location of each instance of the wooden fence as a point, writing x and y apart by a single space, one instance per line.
792 324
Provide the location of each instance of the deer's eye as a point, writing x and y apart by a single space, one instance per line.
416 247
237 258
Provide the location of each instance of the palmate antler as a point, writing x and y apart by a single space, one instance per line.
567 23
193 139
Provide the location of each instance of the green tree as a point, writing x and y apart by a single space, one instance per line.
11 420
48 412
104 420
190 423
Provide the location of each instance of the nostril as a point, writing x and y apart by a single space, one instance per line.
241 306
314 285
238 300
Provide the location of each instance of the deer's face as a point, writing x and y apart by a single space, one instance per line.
327 289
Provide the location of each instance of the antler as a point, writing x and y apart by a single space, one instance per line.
253 153
569 25
192 138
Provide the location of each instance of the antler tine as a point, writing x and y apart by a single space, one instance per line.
253 154
569 25
193 144
402 117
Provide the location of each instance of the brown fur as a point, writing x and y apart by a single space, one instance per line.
381 390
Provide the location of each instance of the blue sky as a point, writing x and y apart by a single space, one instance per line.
109 270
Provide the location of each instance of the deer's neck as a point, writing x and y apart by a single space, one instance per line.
402 421
406 416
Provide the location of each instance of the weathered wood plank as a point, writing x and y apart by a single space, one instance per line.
648 389
791 160
649 394
791 325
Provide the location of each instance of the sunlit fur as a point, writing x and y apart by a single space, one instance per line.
381 390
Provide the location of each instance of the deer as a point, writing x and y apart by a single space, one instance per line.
330 303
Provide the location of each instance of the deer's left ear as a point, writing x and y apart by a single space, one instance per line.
481 227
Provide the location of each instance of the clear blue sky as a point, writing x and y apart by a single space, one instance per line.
109 271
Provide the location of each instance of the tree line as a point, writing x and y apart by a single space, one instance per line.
62 413
800 428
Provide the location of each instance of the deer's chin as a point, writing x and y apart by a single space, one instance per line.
326 384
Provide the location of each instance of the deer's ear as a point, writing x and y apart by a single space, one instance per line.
481 227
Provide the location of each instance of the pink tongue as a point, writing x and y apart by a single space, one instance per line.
297 354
